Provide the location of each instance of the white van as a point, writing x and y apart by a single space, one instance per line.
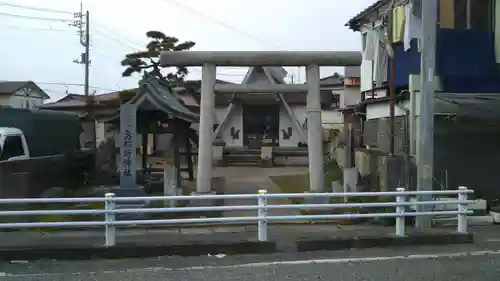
13 145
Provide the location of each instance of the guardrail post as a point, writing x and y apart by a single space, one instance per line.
462 210
400 209
262 214
109 229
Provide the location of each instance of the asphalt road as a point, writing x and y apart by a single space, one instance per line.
480 261
453 263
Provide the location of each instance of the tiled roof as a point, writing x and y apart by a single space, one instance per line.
353 22
332 80
162 98
77 101
9 87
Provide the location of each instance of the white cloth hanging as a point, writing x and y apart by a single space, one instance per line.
386 43
383 50
371 44
413 27
380 65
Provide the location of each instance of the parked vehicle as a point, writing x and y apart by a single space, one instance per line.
28 133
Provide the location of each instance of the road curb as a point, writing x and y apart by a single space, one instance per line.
123 251
383 241
128 250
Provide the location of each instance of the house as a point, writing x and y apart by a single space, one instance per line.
102 106
21 94
244 120
466 137
346 91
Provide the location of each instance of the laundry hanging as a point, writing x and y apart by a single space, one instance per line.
382 50
370 45
413 25
398 24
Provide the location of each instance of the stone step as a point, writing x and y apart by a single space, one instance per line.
241 151
242 158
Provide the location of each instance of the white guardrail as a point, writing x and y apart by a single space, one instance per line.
262 207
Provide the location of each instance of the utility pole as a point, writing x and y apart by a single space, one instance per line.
83 25
425 147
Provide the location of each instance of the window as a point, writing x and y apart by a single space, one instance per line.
336 101
363 42
473 14
13 147
481 14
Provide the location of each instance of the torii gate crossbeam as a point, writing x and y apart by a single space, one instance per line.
209 60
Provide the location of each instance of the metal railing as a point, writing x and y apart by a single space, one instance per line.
112 207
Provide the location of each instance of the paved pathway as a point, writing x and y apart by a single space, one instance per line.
249 180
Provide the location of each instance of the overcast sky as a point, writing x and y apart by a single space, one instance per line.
43 50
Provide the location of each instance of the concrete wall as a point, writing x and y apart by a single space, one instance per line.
31 177
381 172
350 96
469 151
376 134
381 110
332 119
466 152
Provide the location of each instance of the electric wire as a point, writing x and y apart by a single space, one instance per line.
33 8
35 18
35 28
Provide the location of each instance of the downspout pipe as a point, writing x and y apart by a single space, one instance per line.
407 113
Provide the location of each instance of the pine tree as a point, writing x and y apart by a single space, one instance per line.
148 61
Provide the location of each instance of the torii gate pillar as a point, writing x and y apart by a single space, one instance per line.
311 60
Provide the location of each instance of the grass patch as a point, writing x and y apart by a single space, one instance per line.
189 187
299 183
53 206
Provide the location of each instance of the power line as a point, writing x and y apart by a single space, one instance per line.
34 28
220 23
34 8
74 84
55 91
35 18
129 38
123 43
116 40
111 30
106 30
226 25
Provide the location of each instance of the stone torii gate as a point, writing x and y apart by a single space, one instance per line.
209 60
